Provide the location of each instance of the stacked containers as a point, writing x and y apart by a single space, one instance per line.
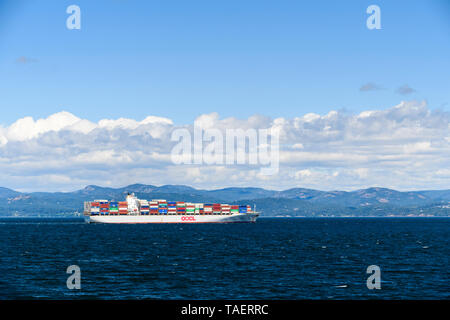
217 208
104 208
162 207
181 207
123 207
95 208
226 208
171 207
153 207
114 208
208 208
199 208
145 209
190 208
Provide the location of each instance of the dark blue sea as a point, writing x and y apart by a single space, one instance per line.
275 258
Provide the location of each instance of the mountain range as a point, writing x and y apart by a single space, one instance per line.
292 202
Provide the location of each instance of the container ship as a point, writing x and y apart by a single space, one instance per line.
135 210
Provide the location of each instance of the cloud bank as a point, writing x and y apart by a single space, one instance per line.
405 147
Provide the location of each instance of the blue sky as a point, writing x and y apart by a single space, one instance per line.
180 59
355 107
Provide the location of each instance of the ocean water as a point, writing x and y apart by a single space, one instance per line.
275 258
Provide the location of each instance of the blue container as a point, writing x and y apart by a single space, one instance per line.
242 209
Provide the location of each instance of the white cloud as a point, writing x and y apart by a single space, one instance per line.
417 147
362 172
26 128
405 147
303 174
124 123
297 146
